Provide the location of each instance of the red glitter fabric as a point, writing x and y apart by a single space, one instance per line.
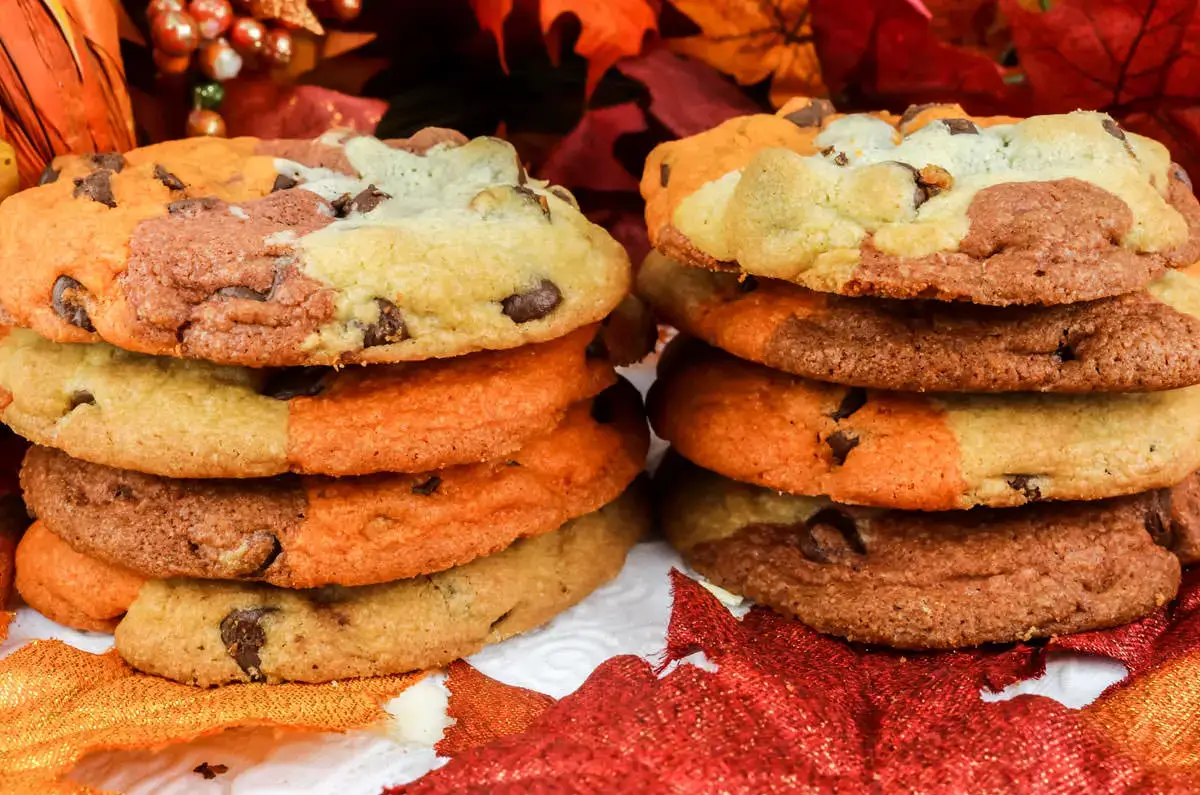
789 710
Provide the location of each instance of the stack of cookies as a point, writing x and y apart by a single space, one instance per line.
949 397
218 477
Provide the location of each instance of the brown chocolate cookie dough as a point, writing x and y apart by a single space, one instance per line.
73 589
210 633
190 419
934 204
300 532
919 452
294 253
926 580
1143 341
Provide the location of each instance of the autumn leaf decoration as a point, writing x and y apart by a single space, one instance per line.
62 83
609 29
756 39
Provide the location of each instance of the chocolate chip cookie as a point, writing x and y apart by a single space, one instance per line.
934 204
300 532
919 452
193 419
301 253
210 633
927 580
1143 341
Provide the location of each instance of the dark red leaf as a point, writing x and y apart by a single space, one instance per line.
687 96
585 158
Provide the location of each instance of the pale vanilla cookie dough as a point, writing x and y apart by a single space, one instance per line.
934 204
918 452
211 633
927 580
283 253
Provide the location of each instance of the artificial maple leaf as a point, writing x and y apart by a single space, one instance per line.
756 39
686 96
291 12
608 29
584 158
62 82
788 710
884 53
484 709
265 108
1137 60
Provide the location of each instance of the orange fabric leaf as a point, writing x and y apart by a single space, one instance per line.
58 703
756 39
491 15
62 83
609 30
484 709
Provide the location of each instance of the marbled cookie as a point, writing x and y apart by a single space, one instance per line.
919 452
1046 210
927 580
193 419
210 633
283 253
300 532
71 588
1143 341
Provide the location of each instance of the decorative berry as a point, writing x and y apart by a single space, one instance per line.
345 10
157 8
219 61
175 33
171 64
213 16
277 47
202 122
208 95
247 36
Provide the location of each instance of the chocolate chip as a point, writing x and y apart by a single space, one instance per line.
243 635
239 291
854 399
1158 520
564 194
602 409
913 111
168 179
67 298
927 182
499 621
812 114
210 771
122 492
819 546
341 205
97 186
110 161
839 158
49 174
294 382
534 304
388 329
1113 129
747 284
283 182
597 348
664 173
273 552
1025 485
840 444
960 126
192 207
512 463
368 200
1064 353
428 487
82 398
1180 174
529 195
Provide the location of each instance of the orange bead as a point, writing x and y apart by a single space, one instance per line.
175 33
213 16
219 61
171 64
205 123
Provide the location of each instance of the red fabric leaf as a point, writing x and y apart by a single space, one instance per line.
585 158
609 30
484 709
264 108
491 15
687 96
789 710
884 54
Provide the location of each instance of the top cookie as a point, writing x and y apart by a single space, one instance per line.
284 253
932 204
